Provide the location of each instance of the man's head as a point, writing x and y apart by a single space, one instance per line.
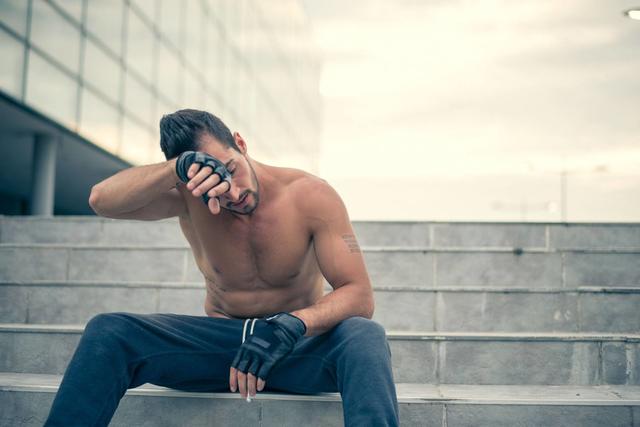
182 131
194 130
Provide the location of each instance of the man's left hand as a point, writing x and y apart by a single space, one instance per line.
265 342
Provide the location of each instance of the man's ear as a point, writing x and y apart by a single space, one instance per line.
242 145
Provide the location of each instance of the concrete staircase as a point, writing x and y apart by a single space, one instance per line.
489 324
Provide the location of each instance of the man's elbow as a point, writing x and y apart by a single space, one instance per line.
370 305
369 314
93 200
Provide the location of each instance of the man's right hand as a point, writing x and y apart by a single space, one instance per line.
201 179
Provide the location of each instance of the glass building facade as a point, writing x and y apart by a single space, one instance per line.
109 69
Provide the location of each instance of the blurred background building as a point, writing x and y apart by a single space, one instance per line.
83 85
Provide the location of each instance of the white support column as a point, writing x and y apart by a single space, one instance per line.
43 175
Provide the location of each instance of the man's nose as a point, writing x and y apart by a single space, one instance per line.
233 194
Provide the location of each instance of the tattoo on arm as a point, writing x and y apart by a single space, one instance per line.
351 242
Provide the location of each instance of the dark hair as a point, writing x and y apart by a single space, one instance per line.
180 131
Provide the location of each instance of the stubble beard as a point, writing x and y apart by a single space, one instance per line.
256 194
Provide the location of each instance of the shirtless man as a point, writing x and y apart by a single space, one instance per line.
263 240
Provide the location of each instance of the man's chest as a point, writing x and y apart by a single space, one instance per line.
269 252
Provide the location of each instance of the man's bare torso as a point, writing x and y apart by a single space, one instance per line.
257 267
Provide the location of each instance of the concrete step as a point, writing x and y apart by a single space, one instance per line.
418 357
97 230
26 400
90 230
453 309
387 266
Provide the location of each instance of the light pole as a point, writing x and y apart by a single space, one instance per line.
564 177
563 195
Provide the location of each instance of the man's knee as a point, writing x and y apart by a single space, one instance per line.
108 325
363 335
358 325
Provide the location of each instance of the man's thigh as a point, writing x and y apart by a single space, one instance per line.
314 364
307 369
192 353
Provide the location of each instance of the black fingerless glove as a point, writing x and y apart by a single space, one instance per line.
268 340
186 159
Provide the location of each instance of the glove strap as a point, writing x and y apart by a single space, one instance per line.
244 329
289 322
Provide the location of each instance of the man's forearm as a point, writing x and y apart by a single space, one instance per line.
133 188
347 301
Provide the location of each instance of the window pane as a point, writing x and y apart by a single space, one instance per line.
193 32
156 152
229 91
138 100
99 121
55 95
164 108
72 7
55 35
214 77
169 74
213 59
232 121
194 92
140 46
251 103
101 71
157 156
241 79
136 143
147 7
104 20
253 39
13 13
171 21
12 53
214 106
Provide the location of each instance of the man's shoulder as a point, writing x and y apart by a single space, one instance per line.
314 196
304 184
307 192
297 181
304 181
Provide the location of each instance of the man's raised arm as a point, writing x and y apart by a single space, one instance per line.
133 188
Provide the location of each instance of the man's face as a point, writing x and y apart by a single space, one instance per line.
243 197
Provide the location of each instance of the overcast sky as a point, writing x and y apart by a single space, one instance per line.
469 110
